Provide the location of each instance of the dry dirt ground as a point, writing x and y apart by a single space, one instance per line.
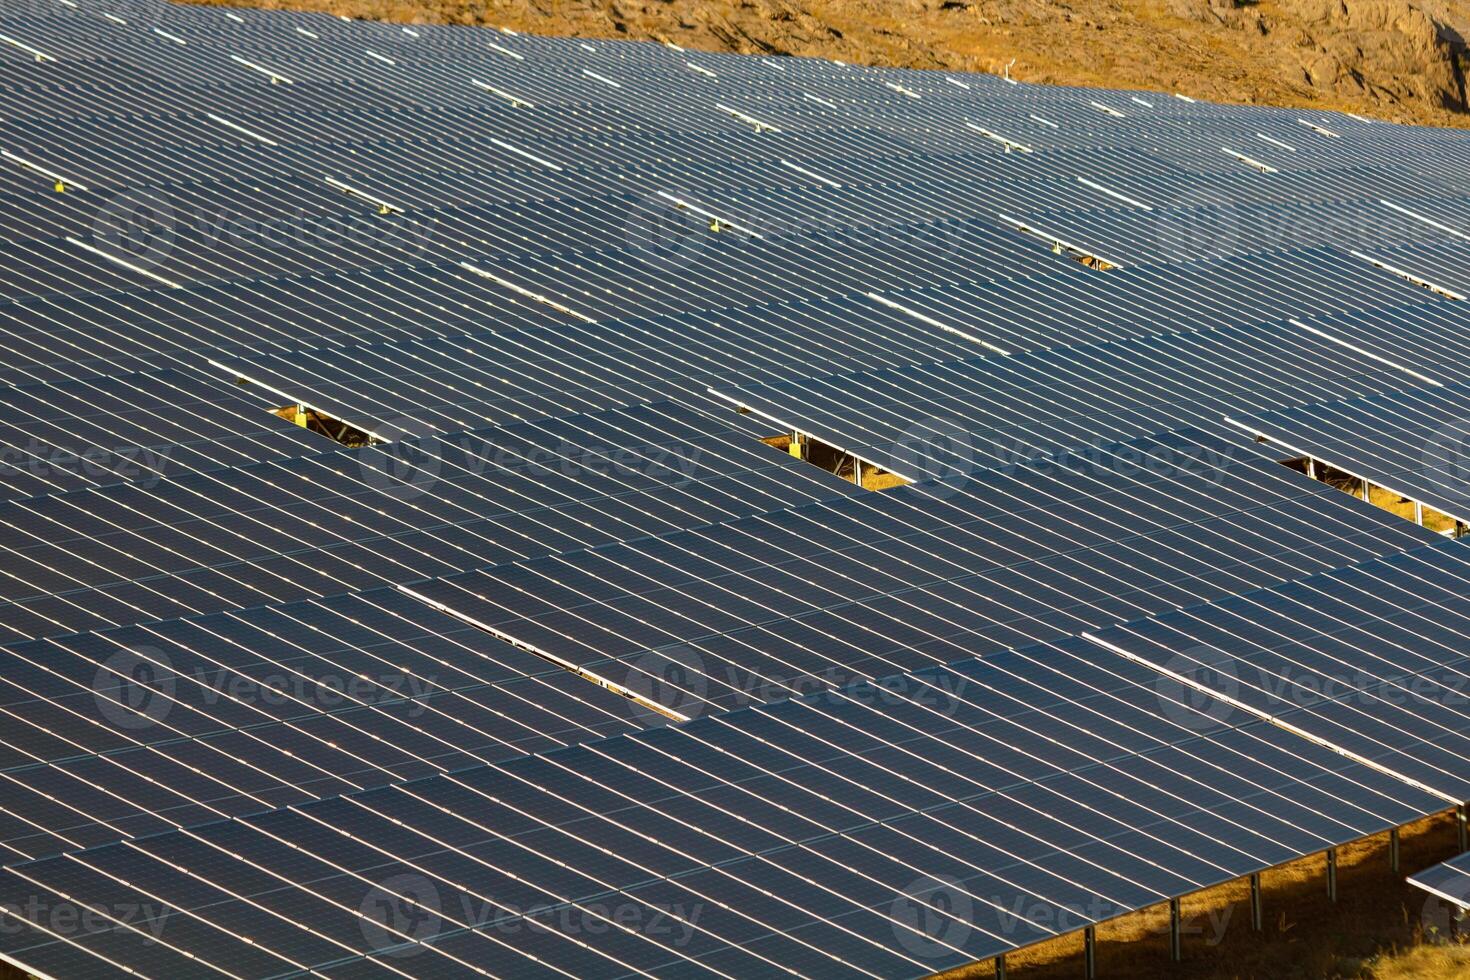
1391 59
1380 928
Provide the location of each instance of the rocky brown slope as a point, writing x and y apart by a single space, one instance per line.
1398 59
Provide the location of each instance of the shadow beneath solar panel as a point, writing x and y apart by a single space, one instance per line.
1378 929
1380 497
841 464
335 429
1064 248
1090 261
315 420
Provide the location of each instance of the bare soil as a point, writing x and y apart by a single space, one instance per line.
1391 59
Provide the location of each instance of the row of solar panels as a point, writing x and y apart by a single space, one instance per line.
721 573
867 585
1050 775
1263 374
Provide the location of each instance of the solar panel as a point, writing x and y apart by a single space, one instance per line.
1449 881
340 521
1411 441
564 667
825 834
1181 380
129 732
134 428
757 608
1363 659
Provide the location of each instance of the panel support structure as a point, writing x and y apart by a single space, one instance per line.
1461 829
1393 850
1256 902
1000 968
1176 950
1089 952
1332 874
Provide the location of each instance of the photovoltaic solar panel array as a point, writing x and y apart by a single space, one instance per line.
403 575
1448 882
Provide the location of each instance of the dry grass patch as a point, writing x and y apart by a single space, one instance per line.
1426 962
1375 931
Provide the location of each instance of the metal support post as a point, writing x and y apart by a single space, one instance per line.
1176 951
